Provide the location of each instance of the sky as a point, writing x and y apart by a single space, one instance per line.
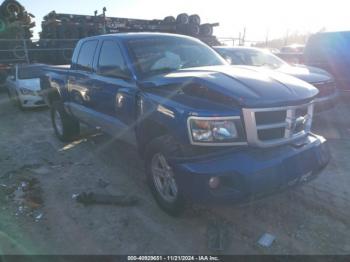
260 18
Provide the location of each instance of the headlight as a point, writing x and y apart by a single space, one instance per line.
214 130
26 91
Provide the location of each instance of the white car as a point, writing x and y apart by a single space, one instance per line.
23 85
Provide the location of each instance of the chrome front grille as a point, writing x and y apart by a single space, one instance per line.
266 127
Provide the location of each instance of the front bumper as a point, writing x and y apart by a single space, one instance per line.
251 171
31 101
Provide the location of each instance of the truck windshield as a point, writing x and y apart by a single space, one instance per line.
157 55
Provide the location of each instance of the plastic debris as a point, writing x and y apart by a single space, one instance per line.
266 240
102 183
218 235
74 196
93 198
39 217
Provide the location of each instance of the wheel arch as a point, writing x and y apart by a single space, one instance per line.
148 130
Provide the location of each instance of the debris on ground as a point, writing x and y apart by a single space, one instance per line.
104 199
20 188
266 240
39 217
102 183
217 235
74 196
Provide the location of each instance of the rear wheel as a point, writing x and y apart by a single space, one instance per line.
66 127
161 176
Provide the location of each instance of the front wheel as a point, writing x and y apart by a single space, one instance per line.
161 177
66 127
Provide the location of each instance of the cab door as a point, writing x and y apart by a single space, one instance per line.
80 91
114 90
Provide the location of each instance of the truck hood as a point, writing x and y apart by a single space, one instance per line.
306 73
229 85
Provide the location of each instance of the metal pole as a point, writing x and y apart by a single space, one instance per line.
25 47
267 38
243 38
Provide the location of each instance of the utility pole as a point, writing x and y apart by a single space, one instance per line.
267 37
286 39
243 38
104 20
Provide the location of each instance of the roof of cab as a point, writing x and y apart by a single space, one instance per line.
131 36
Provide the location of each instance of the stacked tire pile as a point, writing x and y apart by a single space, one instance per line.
15 26
60 32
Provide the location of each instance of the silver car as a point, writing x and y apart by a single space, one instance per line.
259 58
23 86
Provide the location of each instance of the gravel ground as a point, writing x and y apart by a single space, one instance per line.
39 175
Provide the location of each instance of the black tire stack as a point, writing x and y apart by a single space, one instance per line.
60 32
15 26
190 25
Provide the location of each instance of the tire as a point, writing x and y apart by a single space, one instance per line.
3 25
13 8
182 18
66 127
206 30
156 154
194 19
60 32
67 55
193 29
19 52
188 29
169 20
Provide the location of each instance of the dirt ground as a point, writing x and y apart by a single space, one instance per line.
39 175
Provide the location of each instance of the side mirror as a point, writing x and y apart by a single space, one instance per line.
114 71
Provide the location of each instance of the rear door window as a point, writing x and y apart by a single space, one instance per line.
111 55
86 55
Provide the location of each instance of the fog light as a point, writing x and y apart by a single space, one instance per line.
214 182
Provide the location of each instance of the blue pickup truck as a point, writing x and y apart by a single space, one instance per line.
208 132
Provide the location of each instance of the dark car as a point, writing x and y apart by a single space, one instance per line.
208 132
292 54
331 52
266 60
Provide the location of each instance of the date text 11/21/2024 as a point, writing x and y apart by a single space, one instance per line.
173 258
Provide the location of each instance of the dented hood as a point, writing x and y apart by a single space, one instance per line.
228 85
